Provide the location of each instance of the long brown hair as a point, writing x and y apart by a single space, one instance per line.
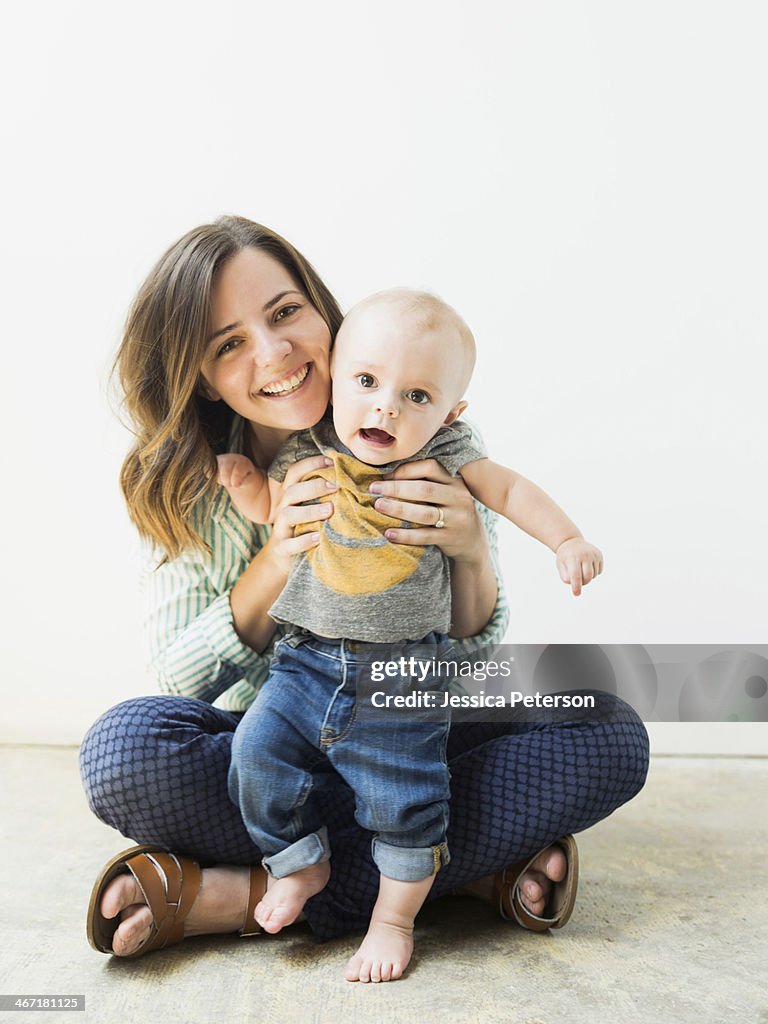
172 466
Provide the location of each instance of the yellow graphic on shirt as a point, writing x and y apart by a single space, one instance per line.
354 556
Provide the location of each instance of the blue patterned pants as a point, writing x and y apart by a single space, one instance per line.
155 768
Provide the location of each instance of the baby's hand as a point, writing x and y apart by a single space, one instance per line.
248 487
578 563
234 470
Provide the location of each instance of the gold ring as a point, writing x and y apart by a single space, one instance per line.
440 524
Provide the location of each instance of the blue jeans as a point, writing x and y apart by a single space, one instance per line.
307 722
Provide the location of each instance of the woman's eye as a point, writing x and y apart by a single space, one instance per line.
418 396
228 346
285 311
366 380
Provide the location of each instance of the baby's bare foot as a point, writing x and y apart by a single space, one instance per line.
219 907
285 897
384 954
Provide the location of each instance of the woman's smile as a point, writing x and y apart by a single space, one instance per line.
287 385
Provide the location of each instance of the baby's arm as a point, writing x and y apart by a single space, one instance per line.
253 493
530 508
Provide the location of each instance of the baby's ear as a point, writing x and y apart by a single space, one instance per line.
454 414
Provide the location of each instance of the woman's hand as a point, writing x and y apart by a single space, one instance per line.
260 585
425 494
291 512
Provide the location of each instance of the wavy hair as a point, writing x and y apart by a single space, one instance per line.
172 466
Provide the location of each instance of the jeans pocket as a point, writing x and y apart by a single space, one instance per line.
295 638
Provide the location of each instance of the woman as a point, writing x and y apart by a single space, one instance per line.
227 349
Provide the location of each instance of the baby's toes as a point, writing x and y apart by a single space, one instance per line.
352 969
277 918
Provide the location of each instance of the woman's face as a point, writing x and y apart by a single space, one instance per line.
268 352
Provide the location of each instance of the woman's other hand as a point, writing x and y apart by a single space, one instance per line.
425 494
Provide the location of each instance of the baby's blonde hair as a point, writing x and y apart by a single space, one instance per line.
426 312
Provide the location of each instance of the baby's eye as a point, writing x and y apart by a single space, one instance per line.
418 396
366 380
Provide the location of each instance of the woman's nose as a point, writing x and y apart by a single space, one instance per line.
269 349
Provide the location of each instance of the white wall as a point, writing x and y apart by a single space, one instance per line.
584 181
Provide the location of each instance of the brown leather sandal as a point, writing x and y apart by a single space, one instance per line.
170 885
562 896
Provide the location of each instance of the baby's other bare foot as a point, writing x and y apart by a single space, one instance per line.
285 897
384 954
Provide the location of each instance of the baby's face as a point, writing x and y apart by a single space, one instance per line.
394 385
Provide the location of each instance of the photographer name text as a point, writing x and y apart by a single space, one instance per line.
443 699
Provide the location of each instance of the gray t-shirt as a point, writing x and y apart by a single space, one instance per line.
355 584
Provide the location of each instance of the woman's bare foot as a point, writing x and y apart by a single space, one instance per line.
536 883
285 897
551 866
220 907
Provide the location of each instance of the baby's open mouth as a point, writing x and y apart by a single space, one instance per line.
287 385
378 437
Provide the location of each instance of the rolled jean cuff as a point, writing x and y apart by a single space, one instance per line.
409 864
312 849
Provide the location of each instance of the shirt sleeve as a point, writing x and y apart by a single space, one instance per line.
287 454
454 447
194 650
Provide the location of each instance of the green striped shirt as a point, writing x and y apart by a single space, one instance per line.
193 647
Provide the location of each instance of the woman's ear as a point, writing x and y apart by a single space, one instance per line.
205 389
454 414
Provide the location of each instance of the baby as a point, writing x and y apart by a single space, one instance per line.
400 366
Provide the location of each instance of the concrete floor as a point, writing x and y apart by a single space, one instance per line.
670 924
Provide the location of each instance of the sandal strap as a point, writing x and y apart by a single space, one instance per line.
257 886
170 886
505 887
